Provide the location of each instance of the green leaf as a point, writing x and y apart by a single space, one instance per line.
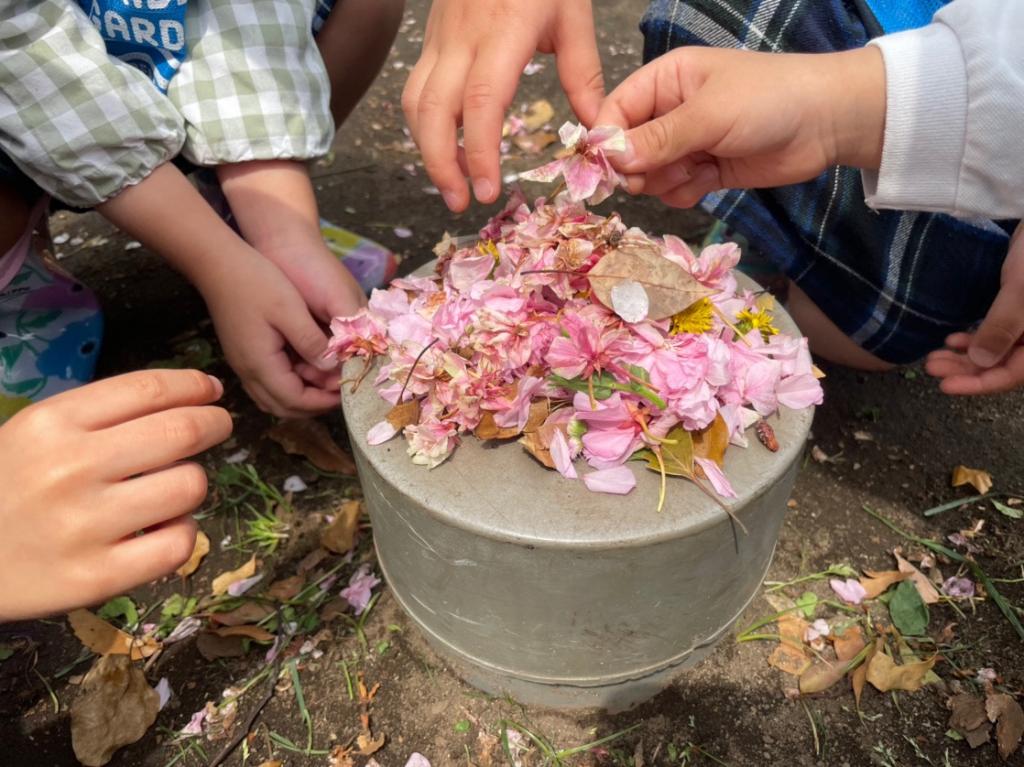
461 726
843 571
908 611
678 457
177 606
6 651
604 384
808 603
120 607
1008 511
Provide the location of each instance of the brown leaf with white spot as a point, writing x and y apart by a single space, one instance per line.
929 594
223 581
791 655
311 439
340 535
979 479
116 707
200 550
103 638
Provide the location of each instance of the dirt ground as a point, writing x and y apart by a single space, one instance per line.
733 709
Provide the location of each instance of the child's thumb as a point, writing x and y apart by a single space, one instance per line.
664 140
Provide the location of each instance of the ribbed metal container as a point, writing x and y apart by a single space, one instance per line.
529 584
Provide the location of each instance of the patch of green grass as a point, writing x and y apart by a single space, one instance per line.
550 753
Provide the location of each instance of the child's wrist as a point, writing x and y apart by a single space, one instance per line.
857 97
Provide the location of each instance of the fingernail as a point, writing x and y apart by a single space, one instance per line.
628 155
327 365
217 385
983 358
483 189
451 199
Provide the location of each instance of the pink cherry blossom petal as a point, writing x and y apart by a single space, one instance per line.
716 477
560 455
380 433
617 481
849 590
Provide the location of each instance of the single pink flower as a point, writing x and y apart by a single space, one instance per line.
361 335
587 172
431 442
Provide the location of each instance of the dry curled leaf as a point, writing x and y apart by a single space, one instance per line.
200 550
489 429
340 535
929 594
248 612
311 439
791 655
885 675
670 288
979 479
849 644
969 718
286 588
821 675
116 707
875 582
255 633
103 638
533 443
223 581
404 414
1009 720
367 745
712 442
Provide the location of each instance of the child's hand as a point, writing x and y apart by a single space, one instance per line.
86 470
703 119
272 339
473 54
990 360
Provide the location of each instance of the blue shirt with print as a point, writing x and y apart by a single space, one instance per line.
148 34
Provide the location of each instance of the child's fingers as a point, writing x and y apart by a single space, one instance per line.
116 400
966 379
281 392
328 380
303 335
579 66
1001 329
152 499
706 179
664 180
439 110
490 88
160 439
414 87
144 558
959 341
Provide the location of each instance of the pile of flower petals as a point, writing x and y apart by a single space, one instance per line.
507 340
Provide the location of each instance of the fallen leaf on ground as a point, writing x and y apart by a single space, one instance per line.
1007 511
790 655
908 611
670 288
929 594
712 442
311 439
969 718
201 549
849 643
885 675
311 560
876 582
211 646
256 633
404 414
534 143
367 745
863 436
223 581
249 612
857 679
821 675
286 588
1009 720
116 707
676 454
339 536
538 114
103 638
979 479
340 756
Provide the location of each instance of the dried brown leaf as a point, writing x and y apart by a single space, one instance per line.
103 638
534 143
534 445
488 429
116 707
211 646
876 582
979 479
1009 719
929 594
286 588
538 114
366 744
857 679
712 442
201 549
311 439
256 633
404 414
311 560
885 675
849 644
224 580
821 675
791 655
670 288
339 536
968 713
248 612
540 409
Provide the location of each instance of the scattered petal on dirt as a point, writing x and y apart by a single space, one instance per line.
958 588
360 588
294 484
201 549
224 580
849 590
417 760
863 436
116 707
238 588
163 691
239 456
402 232
183 630
979 479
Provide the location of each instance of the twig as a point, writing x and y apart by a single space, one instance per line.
416 362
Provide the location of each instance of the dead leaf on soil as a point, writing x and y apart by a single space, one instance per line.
875 582
340 535
486 744
979 479
538 114
404 414
885 675
286 588
1009 720
969 718
334 608
929 594
116 707
255 633
211 646
248 612
670 288
311 560
367 745
790 655
534 143
201 549
821 675
103 638
849 644
712 442
311 439
340 756
223 581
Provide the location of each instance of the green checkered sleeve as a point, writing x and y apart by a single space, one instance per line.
81 124
254 86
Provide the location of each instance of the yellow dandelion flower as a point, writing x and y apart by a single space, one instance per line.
748 320
696 318
489 249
